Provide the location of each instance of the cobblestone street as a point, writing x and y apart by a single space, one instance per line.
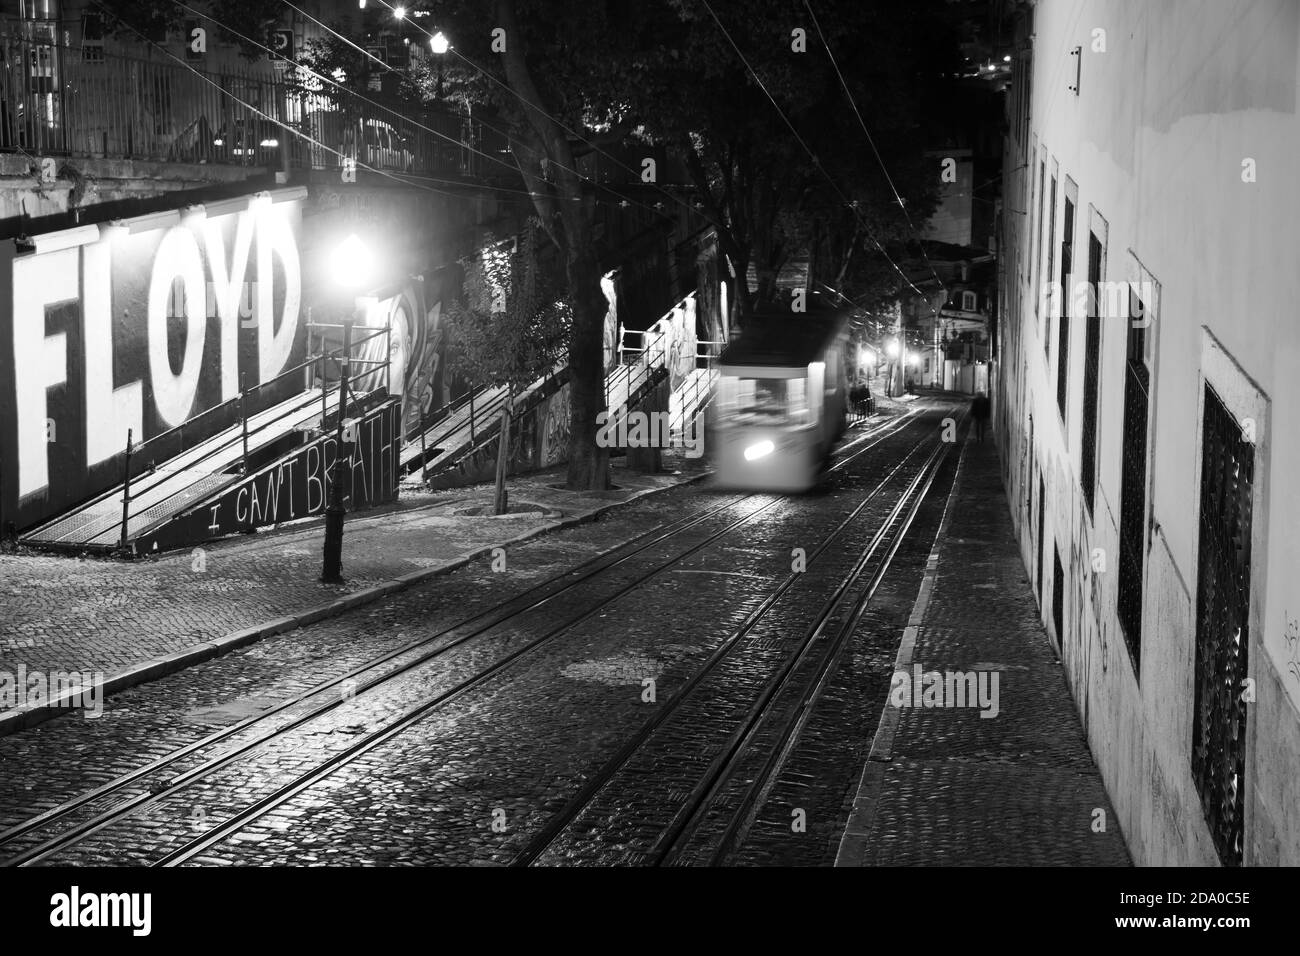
697 678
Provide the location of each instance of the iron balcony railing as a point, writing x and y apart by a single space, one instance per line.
57 101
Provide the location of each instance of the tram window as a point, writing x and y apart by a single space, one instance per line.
773 401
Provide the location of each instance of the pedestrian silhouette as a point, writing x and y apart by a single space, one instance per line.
979 411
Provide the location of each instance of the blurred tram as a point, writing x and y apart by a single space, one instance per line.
782 399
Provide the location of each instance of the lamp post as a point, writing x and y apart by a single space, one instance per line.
332 566
439 44
350 266
892 349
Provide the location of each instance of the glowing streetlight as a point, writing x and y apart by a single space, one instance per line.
891 348
351 263
439 43
399 12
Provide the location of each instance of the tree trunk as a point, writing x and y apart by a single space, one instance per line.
588 462
571 205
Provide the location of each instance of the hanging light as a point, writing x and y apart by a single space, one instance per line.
439 43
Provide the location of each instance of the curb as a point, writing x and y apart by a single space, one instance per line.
21 718
862 815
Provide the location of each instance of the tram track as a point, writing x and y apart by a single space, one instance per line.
790 721
478 624
689 819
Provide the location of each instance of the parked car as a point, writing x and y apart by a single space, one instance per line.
250 141
384 147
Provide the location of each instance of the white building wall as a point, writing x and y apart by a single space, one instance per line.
1155 139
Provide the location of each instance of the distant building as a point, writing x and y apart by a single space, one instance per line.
1148 412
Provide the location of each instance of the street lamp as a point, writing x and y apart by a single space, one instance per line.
351 265
399 12
439 44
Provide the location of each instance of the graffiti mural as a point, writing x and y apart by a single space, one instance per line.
139 325
553 420
415 346
297 486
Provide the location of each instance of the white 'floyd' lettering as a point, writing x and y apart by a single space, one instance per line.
42 361
110 411
178 258
274 237
255 247
228 281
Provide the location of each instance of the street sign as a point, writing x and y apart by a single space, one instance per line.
281 44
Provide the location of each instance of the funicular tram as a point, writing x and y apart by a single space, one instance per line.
781 399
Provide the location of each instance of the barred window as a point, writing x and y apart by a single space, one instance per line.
1063 325
1133 483
1091 376
1222 626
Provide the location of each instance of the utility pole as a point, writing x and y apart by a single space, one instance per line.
332 572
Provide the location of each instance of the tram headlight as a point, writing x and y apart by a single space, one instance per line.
759 450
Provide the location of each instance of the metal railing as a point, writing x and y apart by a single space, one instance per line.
56 100
241 404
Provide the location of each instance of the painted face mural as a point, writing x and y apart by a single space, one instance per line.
139 326
415 361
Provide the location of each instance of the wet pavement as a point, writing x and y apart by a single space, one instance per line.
695 678
121 618
1010 780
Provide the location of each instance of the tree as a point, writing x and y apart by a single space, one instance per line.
509 328
768 198
152 18
551 71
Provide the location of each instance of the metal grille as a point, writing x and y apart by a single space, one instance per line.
1037 250
1063 342
1058 597
1091 374
1133 489
1051 260
1039 545
1222 621
80 101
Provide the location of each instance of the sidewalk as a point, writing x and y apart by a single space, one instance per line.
945 786
137 620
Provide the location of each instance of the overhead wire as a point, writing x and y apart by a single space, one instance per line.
538 108
871 140
394 112
816 162
281 124
623 200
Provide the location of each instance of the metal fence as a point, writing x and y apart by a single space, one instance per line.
56 100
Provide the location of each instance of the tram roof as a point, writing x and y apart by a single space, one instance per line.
785 339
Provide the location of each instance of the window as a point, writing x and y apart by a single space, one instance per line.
92 37
1047 276
1222 626
968 302
1133 483
1058 599
1091 374
1039 544
1063 325
1037 251
765 401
